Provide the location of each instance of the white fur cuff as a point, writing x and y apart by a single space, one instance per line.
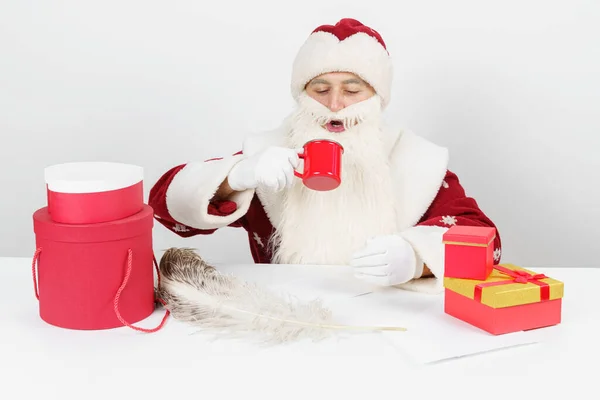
189 194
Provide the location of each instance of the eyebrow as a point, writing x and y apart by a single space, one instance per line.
318 81
325 82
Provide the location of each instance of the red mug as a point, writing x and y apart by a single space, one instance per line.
322 165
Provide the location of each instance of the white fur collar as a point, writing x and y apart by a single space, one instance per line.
418 168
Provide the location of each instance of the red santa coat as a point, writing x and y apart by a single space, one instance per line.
430 200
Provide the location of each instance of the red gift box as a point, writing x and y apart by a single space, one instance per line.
93 192
94 276
469 252
511 299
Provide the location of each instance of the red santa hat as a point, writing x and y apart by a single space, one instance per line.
348 46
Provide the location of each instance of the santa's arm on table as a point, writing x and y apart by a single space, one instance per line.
453 207
418 252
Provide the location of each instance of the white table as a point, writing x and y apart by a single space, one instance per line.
54 363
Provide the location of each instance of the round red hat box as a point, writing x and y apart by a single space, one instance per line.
93 192
81 268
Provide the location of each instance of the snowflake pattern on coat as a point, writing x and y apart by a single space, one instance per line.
258 239
497 254
448 220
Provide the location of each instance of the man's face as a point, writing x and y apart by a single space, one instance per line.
338 90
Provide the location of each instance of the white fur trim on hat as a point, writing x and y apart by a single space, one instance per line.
360 54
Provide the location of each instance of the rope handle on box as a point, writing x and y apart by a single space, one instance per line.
117 296
36 257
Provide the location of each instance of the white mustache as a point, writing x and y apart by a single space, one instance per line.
349 116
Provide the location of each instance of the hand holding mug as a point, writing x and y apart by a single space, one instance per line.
273 168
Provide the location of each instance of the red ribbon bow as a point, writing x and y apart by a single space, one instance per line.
518 276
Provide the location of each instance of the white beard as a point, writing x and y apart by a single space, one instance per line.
328 227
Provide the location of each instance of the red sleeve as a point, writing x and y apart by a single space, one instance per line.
452 206
158 201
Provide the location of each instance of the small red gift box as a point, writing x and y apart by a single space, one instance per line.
512 299
93 192
469 252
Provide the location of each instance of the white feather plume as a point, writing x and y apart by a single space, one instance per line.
196 293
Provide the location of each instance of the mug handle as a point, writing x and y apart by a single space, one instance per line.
298 174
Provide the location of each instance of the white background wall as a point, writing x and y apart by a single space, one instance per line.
511 87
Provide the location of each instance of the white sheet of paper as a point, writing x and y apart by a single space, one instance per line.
431 334
436 336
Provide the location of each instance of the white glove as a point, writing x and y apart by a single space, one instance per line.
273 168
386 261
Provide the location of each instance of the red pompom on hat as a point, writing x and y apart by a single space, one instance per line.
348 46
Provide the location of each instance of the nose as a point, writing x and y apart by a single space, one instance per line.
335 102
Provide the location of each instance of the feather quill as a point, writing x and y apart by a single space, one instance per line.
196 293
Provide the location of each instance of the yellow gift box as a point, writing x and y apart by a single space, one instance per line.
512 298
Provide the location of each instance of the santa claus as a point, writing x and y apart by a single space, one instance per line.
396 198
